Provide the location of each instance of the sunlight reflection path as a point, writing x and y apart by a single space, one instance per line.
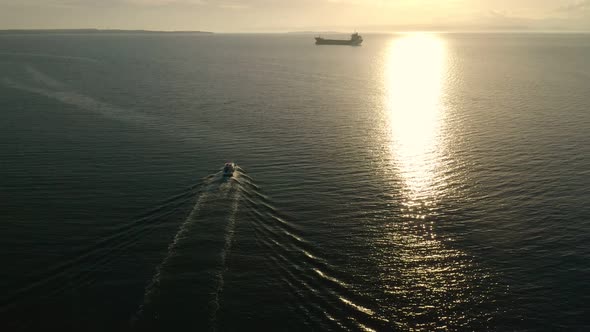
414 78
428 282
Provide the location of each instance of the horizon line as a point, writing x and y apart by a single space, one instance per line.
303 31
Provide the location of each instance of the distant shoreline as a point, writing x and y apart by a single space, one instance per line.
97 31
305 32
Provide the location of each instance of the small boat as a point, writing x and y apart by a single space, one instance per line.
228 169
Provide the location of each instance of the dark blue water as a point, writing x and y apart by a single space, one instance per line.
419 182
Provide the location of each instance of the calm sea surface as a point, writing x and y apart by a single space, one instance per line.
419 182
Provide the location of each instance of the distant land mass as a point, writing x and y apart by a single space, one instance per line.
97 31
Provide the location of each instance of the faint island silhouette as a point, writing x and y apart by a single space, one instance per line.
97 31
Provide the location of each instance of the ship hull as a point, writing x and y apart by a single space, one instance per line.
322 41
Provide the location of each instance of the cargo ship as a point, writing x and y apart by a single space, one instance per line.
355 40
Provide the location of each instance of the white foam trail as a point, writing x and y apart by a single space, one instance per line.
153 286
356 306
56 90
51 56
330 278
85 102
229 235
42 78
109 111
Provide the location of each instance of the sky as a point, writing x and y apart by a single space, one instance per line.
297 15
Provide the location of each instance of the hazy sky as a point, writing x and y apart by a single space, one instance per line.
288 15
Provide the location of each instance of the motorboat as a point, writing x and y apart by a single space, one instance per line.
228 169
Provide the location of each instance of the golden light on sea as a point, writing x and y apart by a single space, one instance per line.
414 78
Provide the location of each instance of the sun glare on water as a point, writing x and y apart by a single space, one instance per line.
414 82
424 275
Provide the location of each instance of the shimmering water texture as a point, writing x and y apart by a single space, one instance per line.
420 182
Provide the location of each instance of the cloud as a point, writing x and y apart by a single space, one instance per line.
575 6
285 15
102 3
164 2
234 6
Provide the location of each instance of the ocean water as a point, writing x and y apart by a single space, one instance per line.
420 182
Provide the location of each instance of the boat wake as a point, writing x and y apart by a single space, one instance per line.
44 85
230 229
195 261
36 82
199 273
79 272
188 287
322 297
56 57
